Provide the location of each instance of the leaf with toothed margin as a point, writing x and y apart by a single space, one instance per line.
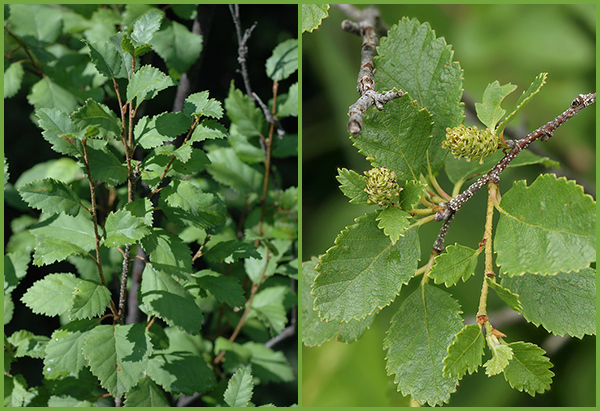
525 97
529 369
489 111
393 222
353 186
465 352
363 272
455 263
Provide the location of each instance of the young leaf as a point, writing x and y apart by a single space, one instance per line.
506 295
413 60
122 228
411 194
51 196
55 124
312 14
525 97
353 186
13 76
397 138
316 332
555 223
181 372
284 61
198 104
563 304
489 111
457 262
52 295
117 355
225 289
417 343
529 370
89 300
465 352
164 297
64 354
146 83
239 388
93 113
501 356
167 253
146 394
363 272
242 111
393 222
177 46
145 27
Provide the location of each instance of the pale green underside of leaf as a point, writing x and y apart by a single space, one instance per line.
397 137
239 388
525 97
52 295
529 370
164 297
284 61
489 111
353 186
177 46
199 104
51 196
465 353
460 169
555 223
363 272
146 83
413 60
457 262
417 342
13 76
506 295
146 26
563 304
393 222
316 332
312 14
146 394
117 355
501 356
290 106
64 354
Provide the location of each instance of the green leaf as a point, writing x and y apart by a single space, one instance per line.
561 303
525 97
146 394
284 61
353 186
230 251
13 76
316 332
242 111
96 114
363 272
465 352
413 60
51 196
555 223
289 107
177 46
397 138
181 372
108 59
268 365
164 297
90 300
417 342
393 222
153 132
64 354
9 309
40 21
255 267
55 124
117 355
142 208
198 104
15 269
312 14
167 253
506 295
227 169
411 194
489 111
52 295
184 202
47 94
106 167
459 170
501 356
225 289
239 388
529 370
146 83
457 262
208 130
145 27
122 228
268 306
27 344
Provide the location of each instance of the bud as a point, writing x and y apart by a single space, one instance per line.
382 187
470 143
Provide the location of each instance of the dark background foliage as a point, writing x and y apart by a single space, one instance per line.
218 66
508 43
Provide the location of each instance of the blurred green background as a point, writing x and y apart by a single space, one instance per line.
508 43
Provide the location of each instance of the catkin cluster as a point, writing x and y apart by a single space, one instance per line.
382 187
470 143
